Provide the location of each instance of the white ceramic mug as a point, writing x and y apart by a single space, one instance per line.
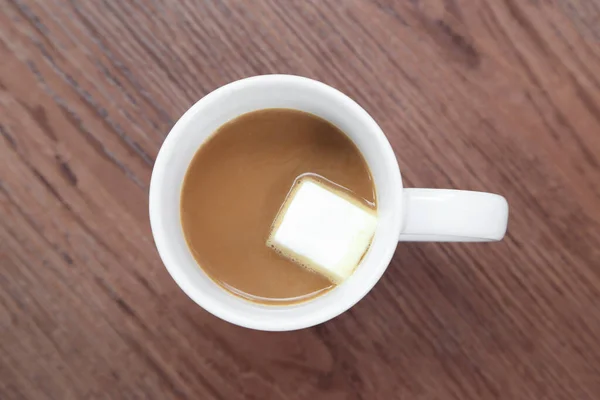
403 214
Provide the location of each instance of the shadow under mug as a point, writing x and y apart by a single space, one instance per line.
403 214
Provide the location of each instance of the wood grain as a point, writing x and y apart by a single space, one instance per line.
489 95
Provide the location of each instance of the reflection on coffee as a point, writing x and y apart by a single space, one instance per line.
236 185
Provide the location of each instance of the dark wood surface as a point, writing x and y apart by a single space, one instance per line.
490 95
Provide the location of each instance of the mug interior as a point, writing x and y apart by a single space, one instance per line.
226 103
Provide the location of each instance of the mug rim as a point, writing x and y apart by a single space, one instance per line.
212 305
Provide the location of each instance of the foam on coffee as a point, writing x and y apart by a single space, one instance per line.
323 228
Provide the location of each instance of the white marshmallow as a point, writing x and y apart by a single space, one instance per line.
323 230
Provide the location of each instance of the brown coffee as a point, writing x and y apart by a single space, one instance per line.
235 185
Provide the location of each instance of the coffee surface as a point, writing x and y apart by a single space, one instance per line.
235 185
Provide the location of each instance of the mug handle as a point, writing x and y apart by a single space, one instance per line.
444 215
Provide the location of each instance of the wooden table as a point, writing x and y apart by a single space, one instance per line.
488 95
